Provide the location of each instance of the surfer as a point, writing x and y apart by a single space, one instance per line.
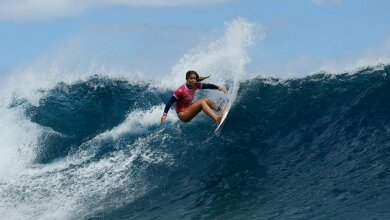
186 109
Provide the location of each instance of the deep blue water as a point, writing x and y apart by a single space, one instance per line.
307 148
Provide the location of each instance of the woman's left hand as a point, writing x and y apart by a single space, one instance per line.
222 89
163 119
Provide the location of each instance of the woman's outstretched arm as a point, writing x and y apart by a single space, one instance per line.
167 107
212 86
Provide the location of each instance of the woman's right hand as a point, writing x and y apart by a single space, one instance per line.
163 119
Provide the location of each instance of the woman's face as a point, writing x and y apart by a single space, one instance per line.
191 80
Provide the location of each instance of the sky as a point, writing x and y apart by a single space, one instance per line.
295 37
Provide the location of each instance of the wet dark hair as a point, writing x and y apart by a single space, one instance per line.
198 78
190 72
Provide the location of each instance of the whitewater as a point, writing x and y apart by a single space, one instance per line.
91 146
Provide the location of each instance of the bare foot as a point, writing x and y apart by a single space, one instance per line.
219 118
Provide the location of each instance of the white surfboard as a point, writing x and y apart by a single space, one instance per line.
226 112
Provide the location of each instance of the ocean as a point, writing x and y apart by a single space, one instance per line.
314 147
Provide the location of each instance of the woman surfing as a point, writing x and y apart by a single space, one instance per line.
186 109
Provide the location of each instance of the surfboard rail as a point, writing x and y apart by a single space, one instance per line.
225 110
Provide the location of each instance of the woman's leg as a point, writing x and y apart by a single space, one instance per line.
196 107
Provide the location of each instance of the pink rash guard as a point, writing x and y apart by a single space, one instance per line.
184 96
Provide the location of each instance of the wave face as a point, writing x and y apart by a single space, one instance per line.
309 148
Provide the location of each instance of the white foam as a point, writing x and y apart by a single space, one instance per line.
69 189
138 122
224 59
18 140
